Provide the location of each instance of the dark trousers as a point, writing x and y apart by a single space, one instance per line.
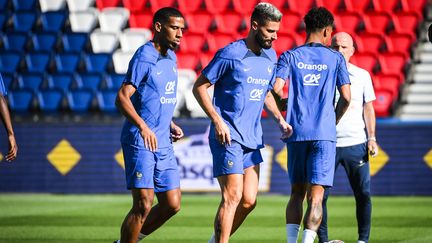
356 163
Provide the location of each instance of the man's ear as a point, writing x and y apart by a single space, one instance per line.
157 26
254 25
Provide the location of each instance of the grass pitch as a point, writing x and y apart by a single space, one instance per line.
97 218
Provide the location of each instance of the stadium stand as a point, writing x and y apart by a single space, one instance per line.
60 43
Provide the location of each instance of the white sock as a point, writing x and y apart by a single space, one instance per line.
292 231
141 236
308 236
212 239
360 241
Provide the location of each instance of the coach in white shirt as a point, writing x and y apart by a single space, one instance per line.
353 143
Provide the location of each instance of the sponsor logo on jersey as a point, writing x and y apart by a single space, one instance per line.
256 94
317 67
311 79
259 81
170 87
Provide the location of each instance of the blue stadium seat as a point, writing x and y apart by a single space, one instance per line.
20 100
9 62
3 19
60 81
3 4
74 41
24 4
7 80
97 62
67 62
37 62
44 41
23 21
30 81
53 21
15 41
80 100
114 81
50 100
89 81
106 101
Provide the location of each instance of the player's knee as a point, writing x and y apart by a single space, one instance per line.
248 203
232 197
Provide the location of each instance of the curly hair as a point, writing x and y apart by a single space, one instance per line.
317 19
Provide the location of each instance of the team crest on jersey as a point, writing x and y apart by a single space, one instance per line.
269 69
170 87
138 175
230 164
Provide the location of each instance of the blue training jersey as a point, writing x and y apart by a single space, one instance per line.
3 90
155 78
241 81
313 71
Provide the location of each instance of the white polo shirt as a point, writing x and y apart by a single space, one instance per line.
351 128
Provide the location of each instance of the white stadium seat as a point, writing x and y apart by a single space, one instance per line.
83 21
121 61
113 19
79 5
131 39
52 5
103 42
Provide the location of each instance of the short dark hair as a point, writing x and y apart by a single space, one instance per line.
162 15
317 19
264 12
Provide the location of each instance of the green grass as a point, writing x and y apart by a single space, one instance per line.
97 218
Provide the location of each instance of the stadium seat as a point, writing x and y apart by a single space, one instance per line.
26 5
188 7
44 41
334 6
20 100
74 42
79 5
201 22
388 6
113 19
416 6
402 43
192 104
53 21
290 23
4 17
229 23
132 39
121 61
37 62
407 23
390 82
80 100
282 5
193 43
157 4
62 82
134 5
205 59
284 43
9 62
244 7
370 42
83 21
392 63
52 5
106 100
347 22
31 82
301 7
67 62
366 60
187 60
114 81
103 42
50 100
8 80
101 4
141 20
88 81
15 41
377 22
218 40
23 21
358 5
219 6
97 63
4 4
383 102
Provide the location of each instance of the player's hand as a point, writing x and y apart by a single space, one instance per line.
286 129
176 132
373 148
13 148
150 140
222 133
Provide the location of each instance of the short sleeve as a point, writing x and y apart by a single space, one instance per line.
272 79
138 71
3 90
282 67
342 72
368 93
217 67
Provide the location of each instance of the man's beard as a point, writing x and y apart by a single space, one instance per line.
262 43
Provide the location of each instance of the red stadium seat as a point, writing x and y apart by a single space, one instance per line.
157 4
365 60
388 6
200 22
383 102
101 4
393 63
377 22
205 58
244 7
284 43
187 60
358 5
192 43
134 5
416 6
282 5
370 42
290 23
141 20
188 7
219 6
218 40
406 23
402 43
334 6
347 22
302 6
389 82
229 23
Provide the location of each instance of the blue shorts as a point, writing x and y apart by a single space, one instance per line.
311 162
232 159
146 169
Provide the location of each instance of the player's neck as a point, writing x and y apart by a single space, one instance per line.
253 45
160 48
